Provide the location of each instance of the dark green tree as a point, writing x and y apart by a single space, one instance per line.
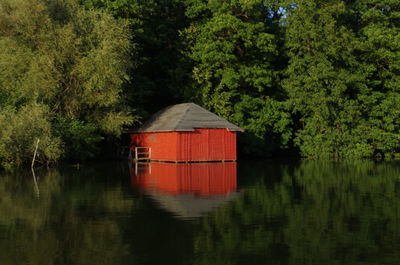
161 72
378 48
341 77
234 47
323 79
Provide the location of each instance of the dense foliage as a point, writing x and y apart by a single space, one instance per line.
342 77
234 48
320 78
61 71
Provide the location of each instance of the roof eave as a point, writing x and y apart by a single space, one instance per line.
185 130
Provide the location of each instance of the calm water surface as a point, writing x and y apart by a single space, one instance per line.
265 212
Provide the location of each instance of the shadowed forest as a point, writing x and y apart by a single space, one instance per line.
313 78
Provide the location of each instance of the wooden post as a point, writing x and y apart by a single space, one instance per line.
33 171
34 154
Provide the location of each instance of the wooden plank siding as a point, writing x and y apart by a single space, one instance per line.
200 145
163 144
206 145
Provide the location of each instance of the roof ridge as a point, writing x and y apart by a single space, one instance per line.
182 117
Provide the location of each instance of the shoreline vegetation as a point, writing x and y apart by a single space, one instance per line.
310 78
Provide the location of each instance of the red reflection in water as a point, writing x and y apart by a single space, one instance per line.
202 179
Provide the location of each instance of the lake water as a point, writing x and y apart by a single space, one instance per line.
264 212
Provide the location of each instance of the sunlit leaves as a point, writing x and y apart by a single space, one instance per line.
71 61
19 134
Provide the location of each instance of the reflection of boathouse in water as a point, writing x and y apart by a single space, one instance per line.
185 133
187 190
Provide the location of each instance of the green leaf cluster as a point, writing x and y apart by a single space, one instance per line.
161 75
234 46
342 77
16 145
316 78
64 65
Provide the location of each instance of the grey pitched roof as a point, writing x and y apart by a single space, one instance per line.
190 206
185 117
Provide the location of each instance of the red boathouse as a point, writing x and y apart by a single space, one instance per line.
185 133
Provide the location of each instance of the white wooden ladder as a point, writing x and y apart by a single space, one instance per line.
142 153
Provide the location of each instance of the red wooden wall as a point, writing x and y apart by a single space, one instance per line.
206 145
163 144
199 145
203 179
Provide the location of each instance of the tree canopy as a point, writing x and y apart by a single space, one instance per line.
315 78
61 71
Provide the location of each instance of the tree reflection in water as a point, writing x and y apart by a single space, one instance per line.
58 227
285 213
311 213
